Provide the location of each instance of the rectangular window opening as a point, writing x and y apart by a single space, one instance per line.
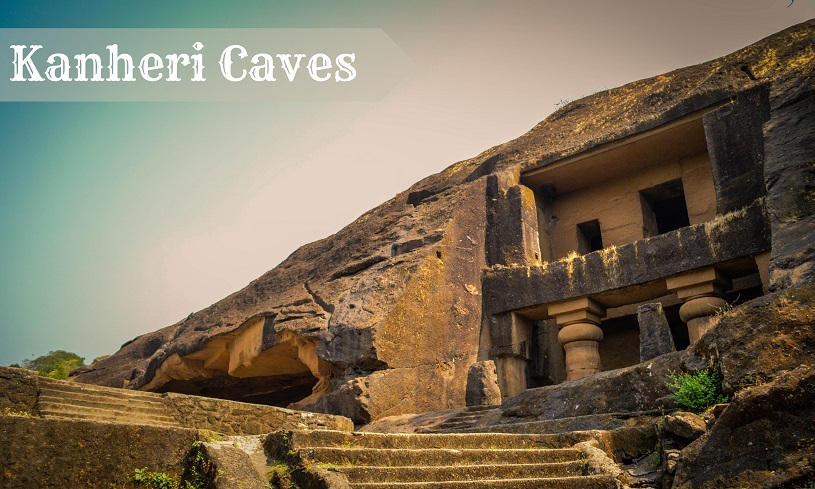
588 237
664 208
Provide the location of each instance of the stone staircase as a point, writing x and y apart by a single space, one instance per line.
69 400
465 420
605 421
441 461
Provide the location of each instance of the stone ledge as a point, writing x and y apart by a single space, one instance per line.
39 452
20 391
736 235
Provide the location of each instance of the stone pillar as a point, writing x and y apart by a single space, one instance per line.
511 334
655 332
580 335
763 264
702 292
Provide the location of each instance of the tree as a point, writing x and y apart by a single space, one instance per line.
56 364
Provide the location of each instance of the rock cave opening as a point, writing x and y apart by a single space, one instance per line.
256 364
280 391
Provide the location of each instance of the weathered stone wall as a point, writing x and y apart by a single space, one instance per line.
736 235
18 390
37 453
736 145
238 418
790 180
428 337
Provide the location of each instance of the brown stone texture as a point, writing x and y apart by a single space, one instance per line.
18 390
234 466
238 418
482 385
654 332
761 338
737 235
386 313
765 439
37 453
638 388
685 425
790 179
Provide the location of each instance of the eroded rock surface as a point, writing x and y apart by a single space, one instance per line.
688 426
763 439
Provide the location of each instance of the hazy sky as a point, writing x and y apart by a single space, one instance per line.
120 218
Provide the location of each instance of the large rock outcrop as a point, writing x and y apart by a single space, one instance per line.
763 439
384 317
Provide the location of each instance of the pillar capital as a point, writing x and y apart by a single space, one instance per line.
582 310
580 334
698 283
701 291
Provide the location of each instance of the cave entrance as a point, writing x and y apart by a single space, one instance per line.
280 391
253 364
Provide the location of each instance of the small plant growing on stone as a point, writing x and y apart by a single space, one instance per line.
14 412
724 311
199 471
279 476
154 480
209 436
697 391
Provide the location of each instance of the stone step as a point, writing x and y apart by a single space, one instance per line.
102 403
420 473
47 384
452 426
583 482
464 418
70 411
436 456
474 409
607 422
462 422
134 421
473 461
469 415
326 438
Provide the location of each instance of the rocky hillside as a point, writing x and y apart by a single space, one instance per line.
386 313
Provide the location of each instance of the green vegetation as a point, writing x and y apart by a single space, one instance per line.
724 311
209 436
697 391
56 364
280 476
13 412
154 480
199 473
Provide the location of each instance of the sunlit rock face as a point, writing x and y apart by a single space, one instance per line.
491 258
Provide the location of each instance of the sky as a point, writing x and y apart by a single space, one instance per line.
117 219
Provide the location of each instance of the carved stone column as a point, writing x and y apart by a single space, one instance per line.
580 335
702 292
